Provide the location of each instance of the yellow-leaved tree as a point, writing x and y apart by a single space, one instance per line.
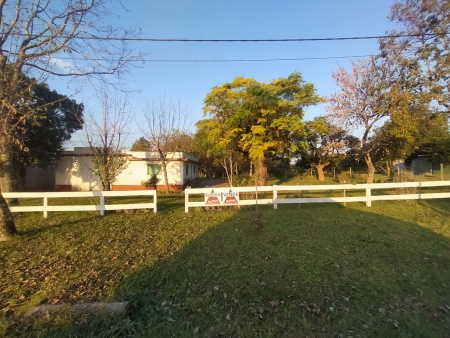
258 119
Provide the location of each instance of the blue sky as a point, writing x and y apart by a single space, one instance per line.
189 82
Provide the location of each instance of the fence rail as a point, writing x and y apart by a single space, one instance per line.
101 207
219 196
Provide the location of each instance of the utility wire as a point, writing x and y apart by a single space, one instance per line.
373 37
235 60
262 40
257 60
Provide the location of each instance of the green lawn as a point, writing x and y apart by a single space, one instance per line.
309 271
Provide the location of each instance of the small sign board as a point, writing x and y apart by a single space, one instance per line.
212 198
231 197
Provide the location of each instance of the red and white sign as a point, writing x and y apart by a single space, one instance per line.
231 197
212 198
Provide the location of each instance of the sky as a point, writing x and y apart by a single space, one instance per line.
164 74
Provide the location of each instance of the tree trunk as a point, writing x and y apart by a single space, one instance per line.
225 166
7 225
370 168
261 172
320 173
166 179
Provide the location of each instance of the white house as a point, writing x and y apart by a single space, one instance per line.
74 171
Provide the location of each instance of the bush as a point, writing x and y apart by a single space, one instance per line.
406 176
151 182
345 177
241 181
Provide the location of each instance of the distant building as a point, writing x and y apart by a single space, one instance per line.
74 171
419 166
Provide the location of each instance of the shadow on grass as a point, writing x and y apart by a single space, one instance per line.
317 270
52 223
170 202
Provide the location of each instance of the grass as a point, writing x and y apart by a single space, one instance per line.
309 271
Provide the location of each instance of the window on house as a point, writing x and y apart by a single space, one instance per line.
153 169
187 169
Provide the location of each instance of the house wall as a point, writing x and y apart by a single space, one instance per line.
37 178
421 166
75 172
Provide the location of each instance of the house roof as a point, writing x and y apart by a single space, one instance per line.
138 155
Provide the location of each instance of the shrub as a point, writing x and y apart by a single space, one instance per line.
151 182
406 176
345 177
240 181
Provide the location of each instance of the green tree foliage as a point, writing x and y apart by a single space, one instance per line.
259 119
107 164
324 142
437 149
141 144
213 154
202 148
419 51
424 133
42 139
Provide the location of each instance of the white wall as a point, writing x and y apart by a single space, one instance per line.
136 172
77 171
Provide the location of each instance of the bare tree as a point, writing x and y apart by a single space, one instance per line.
106 137
164 124
41 38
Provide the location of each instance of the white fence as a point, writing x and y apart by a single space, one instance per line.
231 195
101 207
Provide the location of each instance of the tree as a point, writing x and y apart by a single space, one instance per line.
324 143
437 149
362 103
57 117
259 119
141 144
40 38
387 147
202 148
106 138
164 123
402 138
423 40
217 150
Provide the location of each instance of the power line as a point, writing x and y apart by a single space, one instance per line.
255 60
262 40
235 60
